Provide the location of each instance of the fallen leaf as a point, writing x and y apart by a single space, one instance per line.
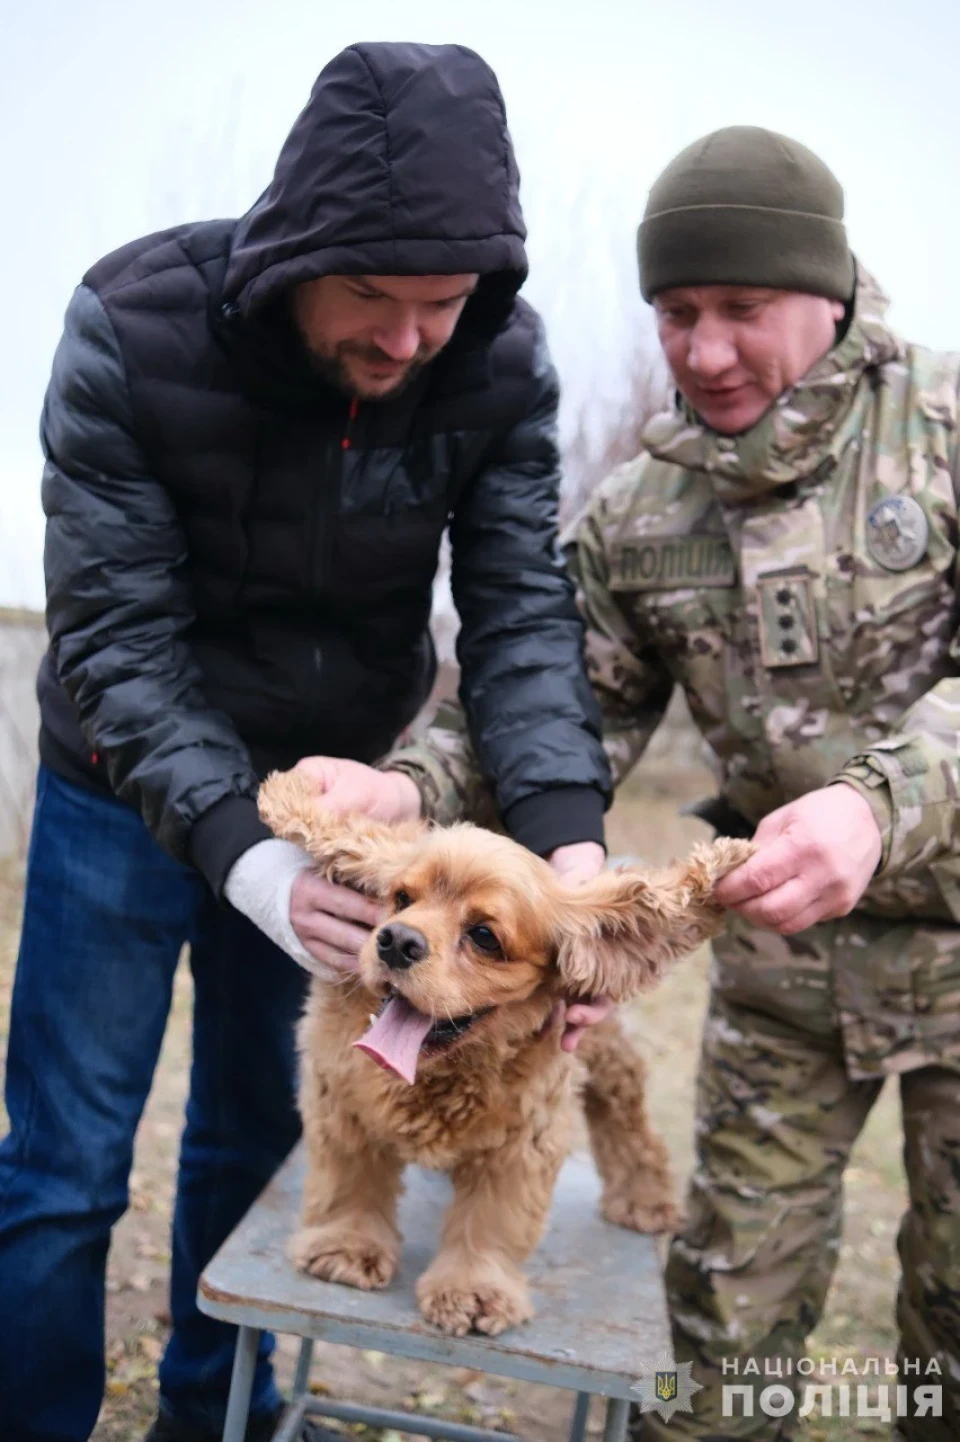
429 1400
152 1348
479 1391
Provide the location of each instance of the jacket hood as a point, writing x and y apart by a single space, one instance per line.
803 431
400 164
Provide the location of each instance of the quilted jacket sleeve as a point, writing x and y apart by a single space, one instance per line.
119 610
532 717
630 684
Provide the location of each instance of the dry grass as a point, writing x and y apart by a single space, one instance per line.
859 1318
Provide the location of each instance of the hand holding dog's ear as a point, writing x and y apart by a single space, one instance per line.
331 922
620 931
318 897
348 786
815 857
350 849
578 862
319 925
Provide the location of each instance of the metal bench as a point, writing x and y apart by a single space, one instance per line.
600 1324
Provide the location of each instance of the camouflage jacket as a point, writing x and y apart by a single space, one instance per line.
800 583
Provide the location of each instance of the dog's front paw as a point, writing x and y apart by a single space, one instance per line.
340 1254
642 1214
461 1305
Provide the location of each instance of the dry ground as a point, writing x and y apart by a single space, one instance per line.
859 1318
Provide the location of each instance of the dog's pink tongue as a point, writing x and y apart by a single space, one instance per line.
395 1038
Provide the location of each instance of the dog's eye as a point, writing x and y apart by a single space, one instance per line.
402 900
483 937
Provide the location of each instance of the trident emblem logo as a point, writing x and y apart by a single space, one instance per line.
666 1386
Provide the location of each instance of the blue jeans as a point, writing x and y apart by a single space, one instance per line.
106 914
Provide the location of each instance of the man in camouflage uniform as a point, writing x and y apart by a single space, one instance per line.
785 549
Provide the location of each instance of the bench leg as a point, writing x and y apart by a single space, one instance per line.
616 1425
301 1380
578 1426
241 1384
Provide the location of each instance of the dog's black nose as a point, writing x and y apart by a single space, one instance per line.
399 947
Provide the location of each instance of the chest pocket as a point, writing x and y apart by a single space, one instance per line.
679 593
892 549
890 631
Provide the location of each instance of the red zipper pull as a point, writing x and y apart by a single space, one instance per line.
351 417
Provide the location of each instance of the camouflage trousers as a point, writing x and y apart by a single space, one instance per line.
799 1034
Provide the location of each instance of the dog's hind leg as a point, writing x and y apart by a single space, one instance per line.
631 1157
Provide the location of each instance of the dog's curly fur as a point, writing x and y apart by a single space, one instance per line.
498 1108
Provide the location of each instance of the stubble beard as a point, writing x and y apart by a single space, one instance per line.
335 370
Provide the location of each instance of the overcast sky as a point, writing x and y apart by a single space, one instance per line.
120 118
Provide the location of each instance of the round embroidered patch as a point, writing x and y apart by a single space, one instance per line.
897 532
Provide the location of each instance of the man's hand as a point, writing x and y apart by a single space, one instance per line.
581 1014
814 860
320 925
579 862
351 786
576 864
332 922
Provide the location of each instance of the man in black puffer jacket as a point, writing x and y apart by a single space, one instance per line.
256 434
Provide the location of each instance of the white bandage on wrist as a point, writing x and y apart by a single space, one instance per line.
259 885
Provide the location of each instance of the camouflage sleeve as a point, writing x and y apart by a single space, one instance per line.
630 681
444 767
631 684
912 781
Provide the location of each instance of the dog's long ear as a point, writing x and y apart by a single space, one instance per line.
620 931
350 849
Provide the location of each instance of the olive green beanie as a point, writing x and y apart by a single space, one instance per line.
746 206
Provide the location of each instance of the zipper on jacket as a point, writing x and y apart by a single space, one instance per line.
327 512
346 442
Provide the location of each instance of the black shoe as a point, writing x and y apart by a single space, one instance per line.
312 1431
259 1429
168 1428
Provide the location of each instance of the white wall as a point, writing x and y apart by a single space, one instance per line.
22 641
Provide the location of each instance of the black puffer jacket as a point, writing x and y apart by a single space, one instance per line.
238 569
